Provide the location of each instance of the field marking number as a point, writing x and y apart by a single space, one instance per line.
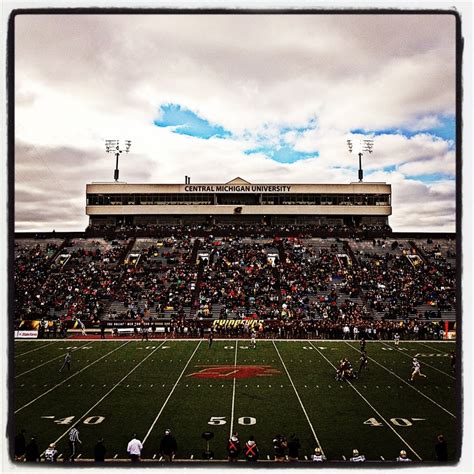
243 420
403 422
91 420
73 348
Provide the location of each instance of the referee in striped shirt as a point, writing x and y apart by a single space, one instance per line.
73 443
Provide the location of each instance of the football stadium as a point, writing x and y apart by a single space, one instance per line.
236 292
235 322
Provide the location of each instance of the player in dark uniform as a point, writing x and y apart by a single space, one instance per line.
363 362
362 345
453 360
279 446
67 361
211 337
144 331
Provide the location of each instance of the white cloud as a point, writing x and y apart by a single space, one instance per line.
102 76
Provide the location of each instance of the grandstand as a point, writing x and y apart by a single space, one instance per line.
311 282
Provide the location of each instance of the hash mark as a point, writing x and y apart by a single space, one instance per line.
192 456
116 456
154 456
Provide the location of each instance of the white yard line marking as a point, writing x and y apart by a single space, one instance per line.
430 347
425 363
105 396
233 392
48 361
33 350
299 399
70 377
368 403
406 383
171 393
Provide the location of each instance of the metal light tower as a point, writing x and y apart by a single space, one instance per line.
367 144
113 146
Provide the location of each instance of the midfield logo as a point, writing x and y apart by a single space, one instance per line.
234 371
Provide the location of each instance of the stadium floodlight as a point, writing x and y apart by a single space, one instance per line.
113 146
361 146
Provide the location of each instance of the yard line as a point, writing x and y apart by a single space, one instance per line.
233 392
33 350
108 393
406 383
425 363
368 403
50 360
171 393
430 347
299 399
70 377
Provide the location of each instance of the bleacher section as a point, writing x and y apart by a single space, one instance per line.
231 277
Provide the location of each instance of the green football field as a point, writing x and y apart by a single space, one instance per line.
117 387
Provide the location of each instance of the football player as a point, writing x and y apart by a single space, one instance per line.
453 361
253 340
416 370
67 361
318 456
396 338
356 456
403 457
363 362
279 446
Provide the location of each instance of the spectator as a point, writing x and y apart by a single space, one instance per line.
233 447
32 451
441 448
20 445
168 446
134 448
356 456
293 448
51 453
99 451
251 451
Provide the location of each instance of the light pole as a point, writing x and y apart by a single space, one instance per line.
367 144
113 146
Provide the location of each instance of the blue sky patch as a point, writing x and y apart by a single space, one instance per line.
431 178
285 154
186 122
445 130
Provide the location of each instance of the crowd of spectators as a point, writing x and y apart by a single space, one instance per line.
302 283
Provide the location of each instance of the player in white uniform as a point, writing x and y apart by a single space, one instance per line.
416 370
318 456
253 340
403 457
356 456
396 338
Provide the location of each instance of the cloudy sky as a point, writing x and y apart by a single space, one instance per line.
269 98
